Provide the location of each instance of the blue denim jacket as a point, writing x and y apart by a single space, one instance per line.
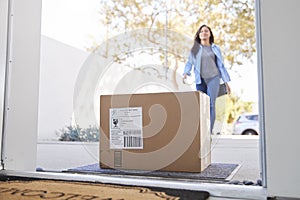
196 62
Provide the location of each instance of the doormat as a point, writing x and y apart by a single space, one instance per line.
68 190
215 171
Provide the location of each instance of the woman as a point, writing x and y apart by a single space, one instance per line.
208 64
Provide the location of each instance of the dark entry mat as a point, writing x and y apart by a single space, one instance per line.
215 171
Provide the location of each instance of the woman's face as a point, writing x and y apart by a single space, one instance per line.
204 33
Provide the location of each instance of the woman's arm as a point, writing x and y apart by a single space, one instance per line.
188 66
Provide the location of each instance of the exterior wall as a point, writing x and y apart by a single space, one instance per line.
58 61
280 30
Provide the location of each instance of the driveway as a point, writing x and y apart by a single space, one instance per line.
242 150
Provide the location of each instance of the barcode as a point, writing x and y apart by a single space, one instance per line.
131 141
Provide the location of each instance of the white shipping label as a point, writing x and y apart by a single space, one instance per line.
126 128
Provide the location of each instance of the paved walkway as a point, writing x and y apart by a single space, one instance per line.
242 150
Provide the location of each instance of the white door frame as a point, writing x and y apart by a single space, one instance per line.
21 85
4 7
21 110
261 101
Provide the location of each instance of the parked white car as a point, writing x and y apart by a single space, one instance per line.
246 124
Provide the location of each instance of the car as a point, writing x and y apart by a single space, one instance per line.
246 124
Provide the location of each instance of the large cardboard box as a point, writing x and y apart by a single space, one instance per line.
155 131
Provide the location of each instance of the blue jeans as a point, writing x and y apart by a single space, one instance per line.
211 88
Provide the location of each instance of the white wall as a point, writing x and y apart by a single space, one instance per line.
60 65
22 107
280 51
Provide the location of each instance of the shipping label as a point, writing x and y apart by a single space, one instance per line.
126 128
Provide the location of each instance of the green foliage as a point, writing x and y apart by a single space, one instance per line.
75 133
232 21
236 107
229 107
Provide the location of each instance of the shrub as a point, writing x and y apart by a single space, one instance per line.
75 133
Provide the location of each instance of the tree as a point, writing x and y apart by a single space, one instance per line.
229 107
232 21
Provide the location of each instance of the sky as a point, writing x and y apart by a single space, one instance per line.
76 23
73 22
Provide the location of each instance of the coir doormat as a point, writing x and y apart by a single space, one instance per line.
215 171
66 190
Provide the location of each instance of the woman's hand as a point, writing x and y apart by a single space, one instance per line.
228 89
184 78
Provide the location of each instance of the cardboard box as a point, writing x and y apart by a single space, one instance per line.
155 131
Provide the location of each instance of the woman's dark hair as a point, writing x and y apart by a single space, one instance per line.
197 40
